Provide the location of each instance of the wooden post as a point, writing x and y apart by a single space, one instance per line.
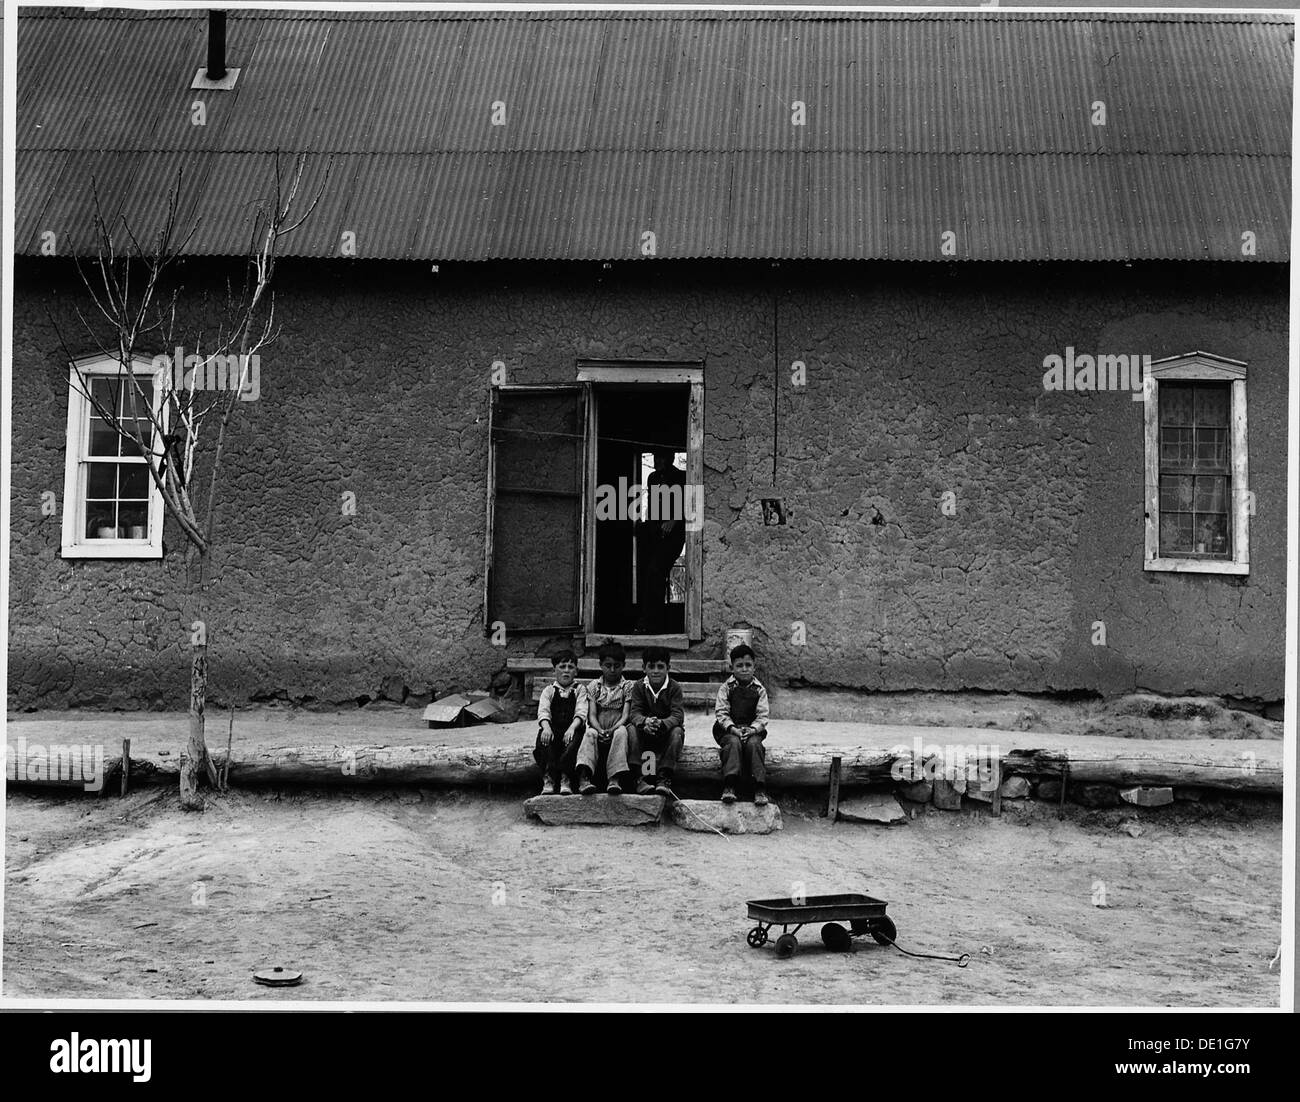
833 803
1065 779
225 766
126 766
996 805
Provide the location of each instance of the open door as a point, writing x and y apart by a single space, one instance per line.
536 519
635 409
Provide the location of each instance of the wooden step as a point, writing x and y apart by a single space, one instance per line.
590 665
695 694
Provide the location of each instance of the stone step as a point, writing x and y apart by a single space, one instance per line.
598 810
737 818
874 807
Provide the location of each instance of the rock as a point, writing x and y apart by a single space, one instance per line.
737 818
600 810
946 798
1048 790
874 807
1187 795
919 791
393 688
1145 796
1094 795
975 790
1132 828
1015 788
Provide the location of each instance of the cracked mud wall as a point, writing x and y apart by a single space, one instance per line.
921 380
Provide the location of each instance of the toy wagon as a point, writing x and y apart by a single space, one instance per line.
863 914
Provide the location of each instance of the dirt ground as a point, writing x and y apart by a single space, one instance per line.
453 895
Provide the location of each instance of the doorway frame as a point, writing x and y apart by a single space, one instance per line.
641 373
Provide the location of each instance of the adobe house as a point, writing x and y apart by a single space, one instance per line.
969 329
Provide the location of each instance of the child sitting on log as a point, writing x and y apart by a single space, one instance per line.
608 702
561 716
656 719
740 726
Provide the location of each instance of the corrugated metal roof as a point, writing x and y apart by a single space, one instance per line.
680 124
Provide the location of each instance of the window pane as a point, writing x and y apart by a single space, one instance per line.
101 480
1211 533
135 519
145 428
1211 494
1212 403
1176 491
1175 533
107 392
103 439
1176 403
134 481
101 515
1211 447
133 403
1176 446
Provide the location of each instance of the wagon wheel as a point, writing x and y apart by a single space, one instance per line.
836 938
757 937
884 932
786 945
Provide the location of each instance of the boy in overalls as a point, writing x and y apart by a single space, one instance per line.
740 726
561 716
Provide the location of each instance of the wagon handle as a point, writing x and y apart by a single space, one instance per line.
961 961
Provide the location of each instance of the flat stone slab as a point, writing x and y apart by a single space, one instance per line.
599 810
875 807
737 818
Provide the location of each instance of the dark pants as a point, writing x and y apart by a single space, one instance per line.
665 746
554 760
740 757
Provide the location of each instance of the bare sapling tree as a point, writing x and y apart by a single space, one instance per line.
180 374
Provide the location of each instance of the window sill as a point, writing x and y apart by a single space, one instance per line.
671 642
113 549
1197 566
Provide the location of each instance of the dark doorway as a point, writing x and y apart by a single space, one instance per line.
637 590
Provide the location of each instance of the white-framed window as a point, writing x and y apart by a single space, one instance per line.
111 507
1198 500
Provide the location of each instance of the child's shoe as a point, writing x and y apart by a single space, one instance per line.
565 789
614 788
728 795
760 797
585 784
665 788
548 786
644 788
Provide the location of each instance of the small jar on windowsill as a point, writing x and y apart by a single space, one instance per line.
106 533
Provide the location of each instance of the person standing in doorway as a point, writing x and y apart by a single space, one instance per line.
661 535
